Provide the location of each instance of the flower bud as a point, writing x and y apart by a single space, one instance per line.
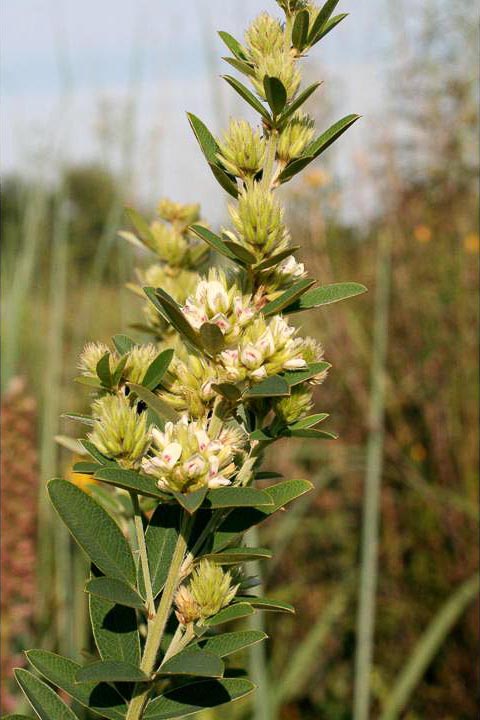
279 64
295 137
170 244
138 361
312 352
184 458
220 301
292 6
189 384
258 219
119 431
263 37
242 150
176 213
210 589
294 407
90 356
279 278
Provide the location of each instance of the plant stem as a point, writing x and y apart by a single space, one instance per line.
142 549
269 165
157 627
371 519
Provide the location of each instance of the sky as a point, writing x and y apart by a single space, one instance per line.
110 80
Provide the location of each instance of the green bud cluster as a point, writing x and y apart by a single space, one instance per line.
295 137
242 150
294 407
120 431
210 589
258 220
282 65
263 37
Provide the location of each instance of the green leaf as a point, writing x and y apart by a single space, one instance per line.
90 381
111 671
157 369
141 226
275 259
213 240
193 661
297 103
42 698
233 45
329 136
85 419
115 590
224 179
159 406
232 612
241 66
324 14
123 343
228 391
129 480
225 497
117 374
296 377
248 96
195 697
161 539
317 147
234 556
172 312
103 370
287 298
60 671
229 643
212 338
311 433
94 530
241 253
96 454
274 386
326 295
205 139
267 604
191 501
330 25
300 30
115 630
309 421
284 492
275 93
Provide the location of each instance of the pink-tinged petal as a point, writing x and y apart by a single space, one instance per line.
171 454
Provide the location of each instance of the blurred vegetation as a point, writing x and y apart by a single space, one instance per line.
424 173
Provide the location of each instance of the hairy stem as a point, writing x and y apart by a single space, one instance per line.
269 165
142 549
157 627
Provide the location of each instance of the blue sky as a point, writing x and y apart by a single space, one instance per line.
69 69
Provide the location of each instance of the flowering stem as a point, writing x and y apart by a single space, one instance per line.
157 627
142 548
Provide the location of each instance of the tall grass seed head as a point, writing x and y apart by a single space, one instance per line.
120 432
219 300
184 458
242 149
263 37
279 64
138 360
266 348
295 137
294 407
90 356
258 220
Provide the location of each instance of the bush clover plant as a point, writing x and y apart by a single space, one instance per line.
178 426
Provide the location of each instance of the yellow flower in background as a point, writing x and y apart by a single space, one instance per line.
317 178
422 233
81 480
471 243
